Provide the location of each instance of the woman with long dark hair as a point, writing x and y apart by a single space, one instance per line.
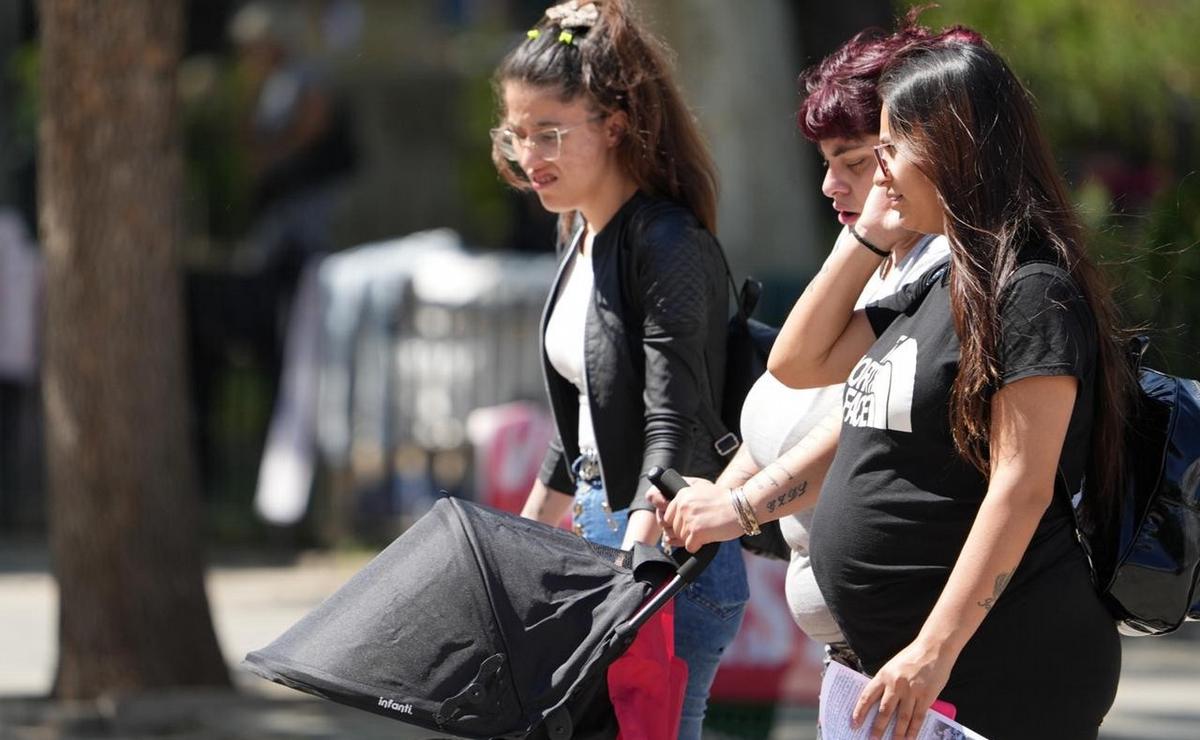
634 328
943 538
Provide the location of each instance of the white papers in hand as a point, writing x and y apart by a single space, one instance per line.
839 691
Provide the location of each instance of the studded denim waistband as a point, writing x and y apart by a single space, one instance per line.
587 465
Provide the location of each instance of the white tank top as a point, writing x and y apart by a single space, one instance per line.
565 336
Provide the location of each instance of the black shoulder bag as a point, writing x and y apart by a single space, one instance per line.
747 345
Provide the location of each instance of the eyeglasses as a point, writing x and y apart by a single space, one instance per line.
891 154
546 143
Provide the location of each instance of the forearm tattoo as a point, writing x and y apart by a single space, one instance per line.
1001 581
766 474
787 496
786 472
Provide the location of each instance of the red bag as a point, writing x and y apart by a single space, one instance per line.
646 684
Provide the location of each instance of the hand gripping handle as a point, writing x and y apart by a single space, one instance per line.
671 483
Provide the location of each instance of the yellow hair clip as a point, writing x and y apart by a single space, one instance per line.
533 33
566 37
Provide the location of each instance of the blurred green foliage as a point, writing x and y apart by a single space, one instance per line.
489 218
22 70
1118 90
1105 72
217 170
1161 277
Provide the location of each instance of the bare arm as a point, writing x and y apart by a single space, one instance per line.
704 513
823 335
1029 424
545 504
792 483
642 527
645 525
739 470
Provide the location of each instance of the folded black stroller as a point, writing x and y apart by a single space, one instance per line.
481 624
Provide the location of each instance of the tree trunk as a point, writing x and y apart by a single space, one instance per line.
124 517
738 63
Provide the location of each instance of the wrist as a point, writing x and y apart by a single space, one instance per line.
642 527
870 244
734 478
744 511
943 647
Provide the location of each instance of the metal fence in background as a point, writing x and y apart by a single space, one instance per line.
452 332
461 346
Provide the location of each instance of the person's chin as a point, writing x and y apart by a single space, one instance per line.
551 203
911 224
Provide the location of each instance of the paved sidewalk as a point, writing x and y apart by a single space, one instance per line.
254 600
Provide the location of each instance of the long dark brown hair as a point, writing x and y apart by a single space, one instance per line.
958 112
618 65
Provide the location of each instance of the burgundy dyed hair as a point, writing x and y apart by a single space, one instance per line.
841 99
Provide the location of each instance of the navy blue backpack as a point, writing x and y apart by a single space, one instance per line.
1147 564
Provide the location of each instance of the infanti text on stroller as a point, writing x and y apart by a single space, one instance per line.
395 706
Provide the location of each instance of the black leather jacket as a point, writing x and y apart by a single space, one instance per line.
654 352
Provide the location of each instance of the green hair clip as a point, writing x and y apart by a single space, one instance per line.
566 37
533 33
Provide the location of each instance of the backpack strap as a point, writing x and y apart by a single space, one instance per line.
1074 501
725 442
1135 354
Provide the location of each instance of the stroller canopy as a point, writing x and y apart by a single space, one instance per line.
474 622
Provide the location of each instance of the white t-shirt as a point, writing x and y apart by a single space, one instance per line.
776 417
565 337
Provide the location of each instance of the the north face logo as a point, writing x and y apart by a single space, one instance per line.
879 394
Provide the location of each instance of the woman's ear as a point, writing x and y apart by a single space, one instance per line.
615 126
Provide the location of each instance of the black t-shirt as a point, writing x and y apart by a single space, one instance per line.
899 501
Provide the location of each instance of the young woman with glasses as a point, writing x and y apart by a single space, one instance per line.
978 398
634 328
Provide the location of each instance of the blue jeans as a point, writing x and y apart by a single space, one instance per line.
707 613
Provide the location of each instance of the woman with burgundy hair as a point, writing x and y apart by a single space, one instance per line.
840 114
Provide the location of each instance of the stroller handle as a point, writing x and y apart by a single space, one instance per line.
670 483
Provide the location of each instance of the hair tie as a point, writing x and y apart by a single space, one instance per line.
566 37
572 14
533 33
885 253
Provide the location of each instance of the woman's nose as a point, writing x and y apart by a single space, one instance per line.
527 156
833 185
